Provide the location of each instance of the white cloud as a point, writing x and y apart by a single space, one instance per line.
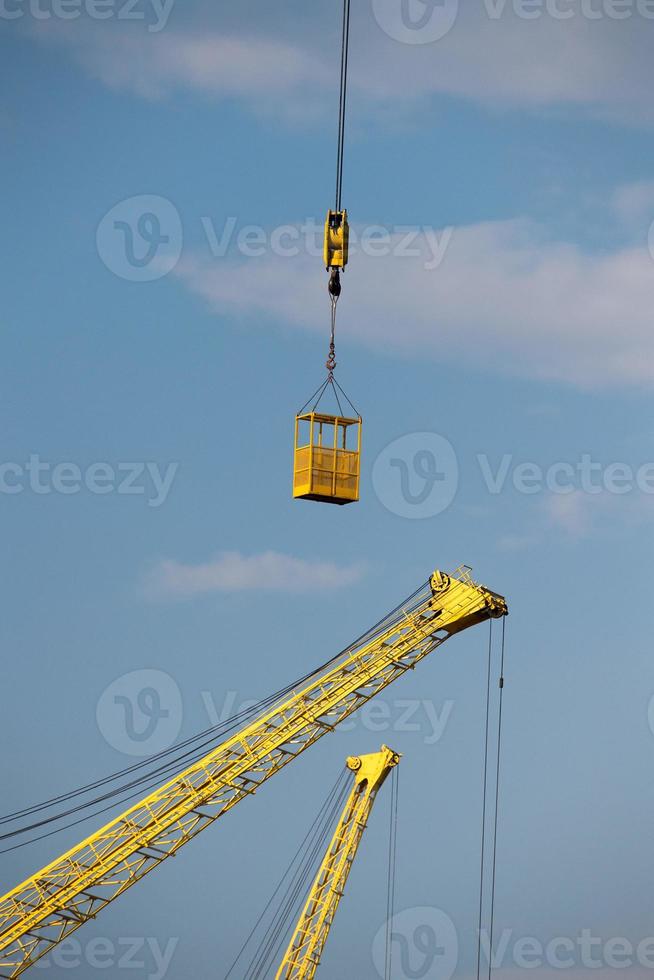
507 60
602 66
232 571
581 514
504 298
572 512
264 71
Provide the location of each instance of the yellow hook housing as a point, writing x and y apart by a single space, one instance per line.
337 238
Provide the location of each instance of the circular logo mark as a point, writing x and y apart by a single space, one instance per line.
416 21
424 945
417 476
141 238
140 713
650 714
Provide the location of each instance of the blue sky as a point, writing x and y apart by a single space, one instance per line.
510 155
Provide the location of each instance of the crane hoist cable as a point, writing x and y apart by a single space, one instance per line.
482 863
497 802
392 873
485 807
327 452
336 226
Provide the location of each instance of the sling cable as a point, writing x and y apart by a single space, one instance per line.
327 458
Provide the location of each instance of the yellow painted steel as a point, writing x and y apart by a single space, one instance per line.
306 947
47 907
326 466
337 239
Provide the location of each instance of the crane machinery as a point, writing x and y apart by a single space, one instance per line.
327 455
46 908
305 949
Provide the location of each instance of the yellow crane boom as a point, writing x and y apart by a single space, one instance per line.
305 949
46 908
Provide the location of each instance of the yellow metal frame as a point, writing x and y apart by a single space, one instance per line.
337 239
47 907
328 473
305 949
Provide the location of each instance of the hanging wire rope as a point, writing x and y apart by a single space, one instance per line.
345 44
485 797
330 363
296 895
392 870
497 803
319 393
334 286
298 862
201 745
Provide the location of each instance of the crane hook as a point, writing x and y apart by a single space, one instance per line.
334 285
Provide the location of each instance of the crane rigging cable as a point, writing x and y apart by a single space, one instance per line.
392 873
338 215
303 859
345 44
497 803
199 744
308 940
484 799
495 815
272 947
